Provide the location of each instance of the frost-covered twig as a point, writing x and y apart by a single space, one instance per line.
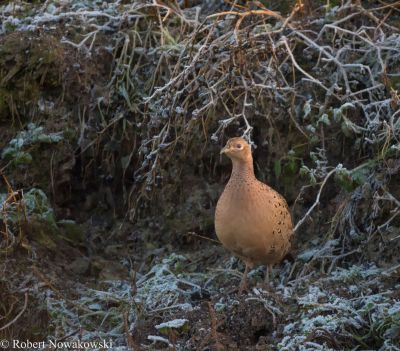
316 202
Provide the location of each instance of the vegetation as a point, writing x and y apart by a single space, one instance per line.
112 114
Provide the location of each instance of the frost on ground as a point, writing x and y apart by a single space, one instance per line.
341 310
189 300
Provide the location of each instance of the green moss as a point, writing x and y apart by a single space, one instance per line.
72 231
44 232
16 149
350 180
34 215
38 206
18 157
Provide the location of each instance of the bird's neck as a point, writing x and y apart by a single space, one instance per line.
242 170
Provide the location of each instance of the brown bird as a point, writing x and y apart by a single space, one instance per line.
251 219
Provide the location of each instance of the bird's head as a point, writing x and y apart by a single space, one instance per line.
237 149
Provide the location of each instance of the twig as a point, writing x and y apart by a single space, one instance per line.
214 325
316 202
309 76
131 341
203 237
18 315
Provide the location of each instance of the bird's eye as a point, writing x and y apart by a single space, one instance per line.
239 146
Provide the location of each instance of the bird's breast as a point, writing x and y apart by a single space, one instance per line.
241 211
253 221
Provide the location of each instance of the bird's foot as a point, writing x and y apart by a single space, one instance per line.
268 279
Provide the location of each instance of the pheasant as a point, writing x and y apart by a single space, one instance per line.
252 220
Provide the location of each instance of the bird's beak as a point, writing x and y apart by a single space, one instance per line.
224 150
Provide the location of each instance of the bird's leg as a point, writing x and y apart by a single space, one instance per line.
268 273
243 282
